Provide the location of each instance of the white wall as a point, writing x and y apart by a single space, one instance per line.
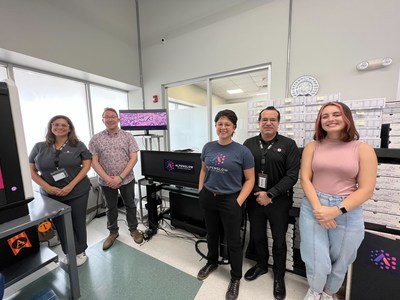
254 37
328 39
94 36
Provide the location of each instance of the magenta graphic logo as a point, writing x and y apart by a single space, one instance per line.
169 165
218 159
383 260
179 166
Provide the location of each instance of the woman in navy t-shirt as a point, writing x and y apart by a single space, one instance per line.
226 179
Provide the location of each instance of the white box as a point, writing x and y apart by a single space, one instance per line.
287 118
391 118
387 195
382 219
390 170
391 183
371 123
394 127
394 139
373 142
367 113
394 145
310 118
365 103
382 207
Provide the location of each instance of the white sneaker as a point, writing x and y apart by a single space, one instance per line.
64 260
325 296
311 295
81 259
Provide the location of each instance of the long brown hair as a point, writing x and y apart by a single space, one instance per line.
349 133
50 137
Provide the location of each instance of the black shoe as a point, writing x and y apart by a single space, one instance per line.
233 290
206 270
279 289
254 272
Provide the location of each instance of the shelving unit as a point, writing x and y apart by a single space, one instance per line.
41 209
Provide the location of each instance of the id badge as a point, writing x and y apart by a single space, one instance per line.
262 180
59 174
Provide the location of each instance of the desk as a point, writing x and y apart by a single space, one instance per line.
40 209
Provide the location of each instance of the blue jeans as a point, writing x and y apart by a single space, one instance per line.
327 253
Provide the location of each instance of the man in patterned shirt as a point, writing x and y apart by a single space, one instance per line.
114 156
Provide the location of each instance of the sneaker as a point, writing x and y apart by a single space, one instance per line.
206 270
81 259
325 296
64 260
233 290
137 236
311 295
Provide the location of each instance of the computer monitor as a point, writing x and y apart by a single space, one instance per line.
178 168
149 119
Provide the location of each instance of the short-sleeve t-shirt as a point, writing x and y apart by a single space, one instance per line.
225 165
43 156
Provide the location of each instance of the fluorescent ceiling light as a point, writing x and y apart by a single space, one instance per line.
237 91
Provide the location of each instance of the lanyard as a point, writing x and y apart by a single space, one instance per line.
264 153
58 152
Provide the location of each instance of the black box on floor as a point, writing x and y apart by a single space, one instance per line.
186 213
376 272
18 246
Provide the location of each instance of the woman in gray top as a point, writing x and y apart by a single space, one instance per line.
59 166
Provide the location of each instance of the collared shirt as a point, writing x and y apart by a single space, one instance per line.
113 151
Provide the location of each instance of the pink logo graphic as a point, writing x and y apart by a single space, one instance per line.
169 165
383 260
218 159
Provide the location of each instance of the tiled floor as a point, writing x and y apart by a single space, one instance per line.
177 248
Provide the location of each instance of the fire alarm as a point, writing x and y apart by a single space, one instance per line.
155 99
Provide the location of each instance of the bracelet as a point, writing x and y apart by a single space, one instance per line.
122 178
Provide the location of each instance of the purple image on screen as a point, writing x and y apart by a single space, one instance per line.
144 119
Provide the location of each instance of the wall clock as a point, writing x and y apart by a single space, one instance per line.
304 86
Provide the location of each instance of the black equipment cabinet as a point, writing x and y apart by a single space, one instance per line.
375 274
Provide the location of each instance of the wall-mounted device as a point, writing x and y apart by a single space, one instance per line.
374 64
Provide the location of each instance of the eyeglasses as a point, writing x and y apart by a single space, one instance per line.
60 125
110 118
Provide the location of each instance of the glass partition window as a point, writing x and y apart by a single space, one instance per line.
101 98
3 73
187 117
230 90
43 96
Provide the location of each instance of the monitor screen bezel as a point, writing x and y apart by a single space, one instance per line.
150 172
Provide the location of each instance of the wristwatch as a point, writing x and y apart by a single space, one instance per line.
342 208
270 195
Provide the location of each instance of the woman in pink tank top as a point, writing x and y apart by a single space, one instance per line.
338 174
